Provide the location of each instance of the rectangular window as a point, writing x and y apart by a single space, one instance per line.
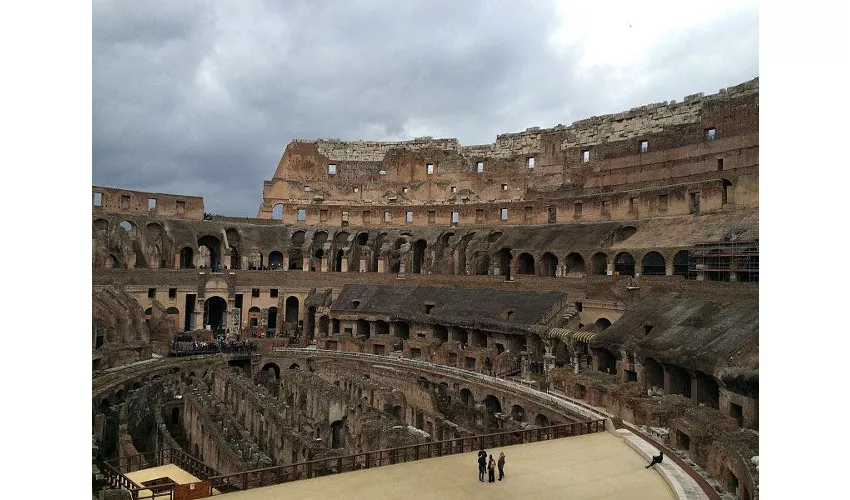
366 216
408 217
382 172
125 202
432 217
255 292
151 203
504 187
644 146
151 293
454 189
331 169
455 218
404 190
504 213
553 215
719 164
323 215
606 208
479 167
585 156
344 219
632 205
662 202
479 215
302 214
273 293
387 216
307 189
181 207
430 168
710 134
578 209
530 162
172 293
98 199
237 303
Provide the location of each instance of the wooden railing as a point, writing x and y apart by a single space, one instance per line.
114 471
367 460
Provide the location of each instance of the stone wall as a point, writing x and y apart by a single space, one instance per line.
125 201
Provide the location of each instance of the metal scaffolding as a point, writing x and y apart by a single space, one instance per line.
725 261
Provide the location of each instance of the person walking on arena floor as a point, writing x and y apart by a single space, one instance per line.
491 466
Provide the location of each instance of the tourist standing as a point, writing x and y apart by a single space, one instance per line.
501 465
492 469
482 464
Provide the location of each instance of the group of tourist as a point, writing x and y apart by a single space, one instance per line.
220 345
489 466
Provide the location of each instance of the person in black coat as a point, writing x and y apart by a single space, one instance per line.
656 459
491 467
482 464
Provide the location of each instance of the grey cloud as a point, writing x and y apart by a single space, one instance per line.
202 97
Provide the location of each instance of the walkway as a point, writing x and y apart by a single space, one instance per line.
594 466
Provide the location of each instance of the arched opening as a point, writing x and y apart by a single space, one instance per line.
101 225
402 330
503 260
680 382
275 260
254 314
575 264
338 434
418 255
294 366
111 262
215 310
272 368
541 420
653 264
548 265
271 324
726 195
338 261
277 211
441 333
624 264
708 392
492 406
467 398
363 238
525 264
397 412
599 263
363 329
653 374
173 316
681 263
624 233
602 324
382 328
212 255
605 361
234 258
291 311
126 226
186 258
518 413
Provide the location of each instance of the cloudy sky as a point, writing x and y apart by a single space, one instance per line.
201 97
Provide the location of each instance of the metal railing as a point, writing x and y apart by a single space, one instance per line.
367 460
114 471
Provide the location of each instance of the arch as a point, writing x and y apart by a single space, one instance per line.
338 434
605 360
271 324
187 258
492 406
275 260
291 310
548 265
518 413
680 382
294 366
397 412
541 420
681 263
625 233
503 261
653 264
525 264
172 310
467 398
419 255
624 264
148 311
382 328
575 264
653 374
492 237
599 263
363 328
272 368
277 211
363 238
602 324
215 311
111 262
100 225
173 315
298 238
126 225
213 247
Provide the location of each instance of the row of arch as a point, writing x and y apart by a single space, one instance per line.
652 264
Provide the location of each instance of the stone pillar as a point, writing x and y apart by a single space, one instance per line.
344 265
668 268
363 266
381 265
325 264
667 381
610 267
285 262
694 389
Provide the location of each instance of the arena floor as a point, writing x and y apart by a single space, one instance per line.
594 466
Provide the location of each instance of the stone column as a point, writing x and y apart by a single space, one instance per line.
513 267
344 265
325 264
381 265
363 266
668 268
285 262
